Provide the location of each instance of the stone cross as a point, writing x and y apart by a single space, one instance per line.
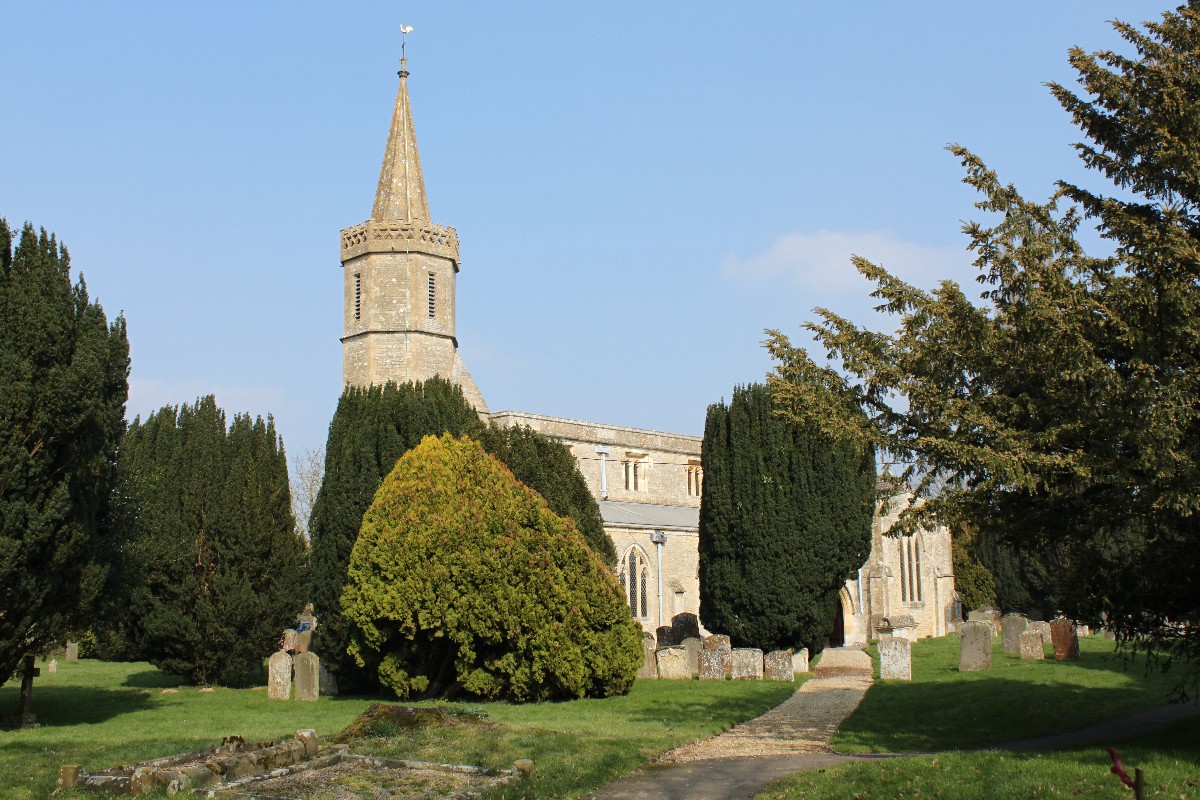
28 672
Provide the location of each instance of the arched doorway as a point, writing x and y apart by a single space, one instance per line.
838 637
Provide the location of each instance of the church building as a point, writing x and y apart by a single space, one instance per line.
400 270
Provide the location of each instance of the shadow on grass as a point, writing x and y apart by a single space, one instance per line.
152 679
75 705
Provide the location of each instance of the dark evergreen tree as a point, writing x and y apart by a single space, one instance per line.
63 385
211 539
547 467
785 519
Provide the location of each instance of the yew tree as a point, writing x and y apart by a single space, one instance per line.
1060 408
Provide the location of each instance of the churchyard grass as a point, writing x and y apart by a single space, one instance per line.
1169 759
944 709
102 714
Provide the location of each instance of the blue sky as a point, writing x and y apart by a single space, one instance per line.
639 188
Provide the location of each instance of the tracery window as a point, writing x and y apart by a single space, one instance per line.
635 577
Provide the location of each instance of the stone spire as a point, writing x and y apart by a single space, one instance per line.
401 192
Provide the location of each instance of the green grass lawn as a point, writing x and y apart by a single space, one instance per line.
944 709
103 714
1170 760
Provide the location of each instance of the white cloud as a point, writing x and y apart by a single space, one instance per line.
819 265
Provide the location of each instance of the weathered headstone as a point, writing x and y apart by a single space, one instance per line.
1083 630
975 649
53 666
27 672
988 615
777 666
1011 628
693 645
649 669
308 683
328 682
279 676
1064 639
665 636
673 664
72 651
1041 627
685 626
711 665
721 645
747 664
895 658
902 626
800 661
1031 646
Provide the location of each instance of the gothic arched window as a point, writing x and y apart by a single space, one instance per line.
635 577
910 569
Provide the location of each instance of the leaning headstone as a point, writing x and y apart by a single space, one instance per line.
777 666
279 676
1041 627
975 649
327 682
649 669
53 666
895 658
308 684
685 626
72 651
1064 639
665 636
1031 646
693 646
747 664
800 661
1011 628
673 664
711 665
722 646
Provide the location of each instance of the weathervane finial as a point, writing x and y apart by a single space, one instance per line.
405 30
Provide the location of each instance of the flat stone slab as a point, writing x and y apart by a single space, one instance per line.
747 664
673 664
895 659
777 666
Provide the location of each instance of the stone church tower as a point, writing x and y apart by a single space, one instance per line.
400 271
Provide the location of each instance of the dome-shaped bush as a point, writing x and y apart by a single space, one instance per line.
462 579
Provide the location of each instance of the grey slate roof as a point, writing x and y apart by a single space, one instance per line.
649 515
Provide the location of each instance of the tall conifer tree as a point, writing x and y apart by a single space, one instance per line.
63 385
785 519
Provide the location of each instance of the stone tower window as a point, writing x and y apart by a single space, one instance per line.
358 296
432 295
695 478
635 472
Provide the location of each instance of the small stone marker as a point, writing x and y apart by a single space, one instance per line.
747 664
724 649
1031 645
1064 639
27 672
279 676
649 670
673 664
72 651
975 649
1041 627
328 682
895 658
800 661
1011 628
53 666
693 646
711 665
777 666
665 636
308 684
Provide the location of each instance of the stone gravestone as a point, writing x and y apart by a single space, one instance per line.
308 683
1064 639
279 676
1041 627
1011 628
685 626
327 682
693 645
53 666
649 669
722 647
777 666
72 651
747 664
800 661
895 658
665 636
673 664
711 665
988 615
1032 646
975 649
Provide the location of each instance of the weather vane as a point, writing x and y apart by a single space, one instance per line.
405 30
